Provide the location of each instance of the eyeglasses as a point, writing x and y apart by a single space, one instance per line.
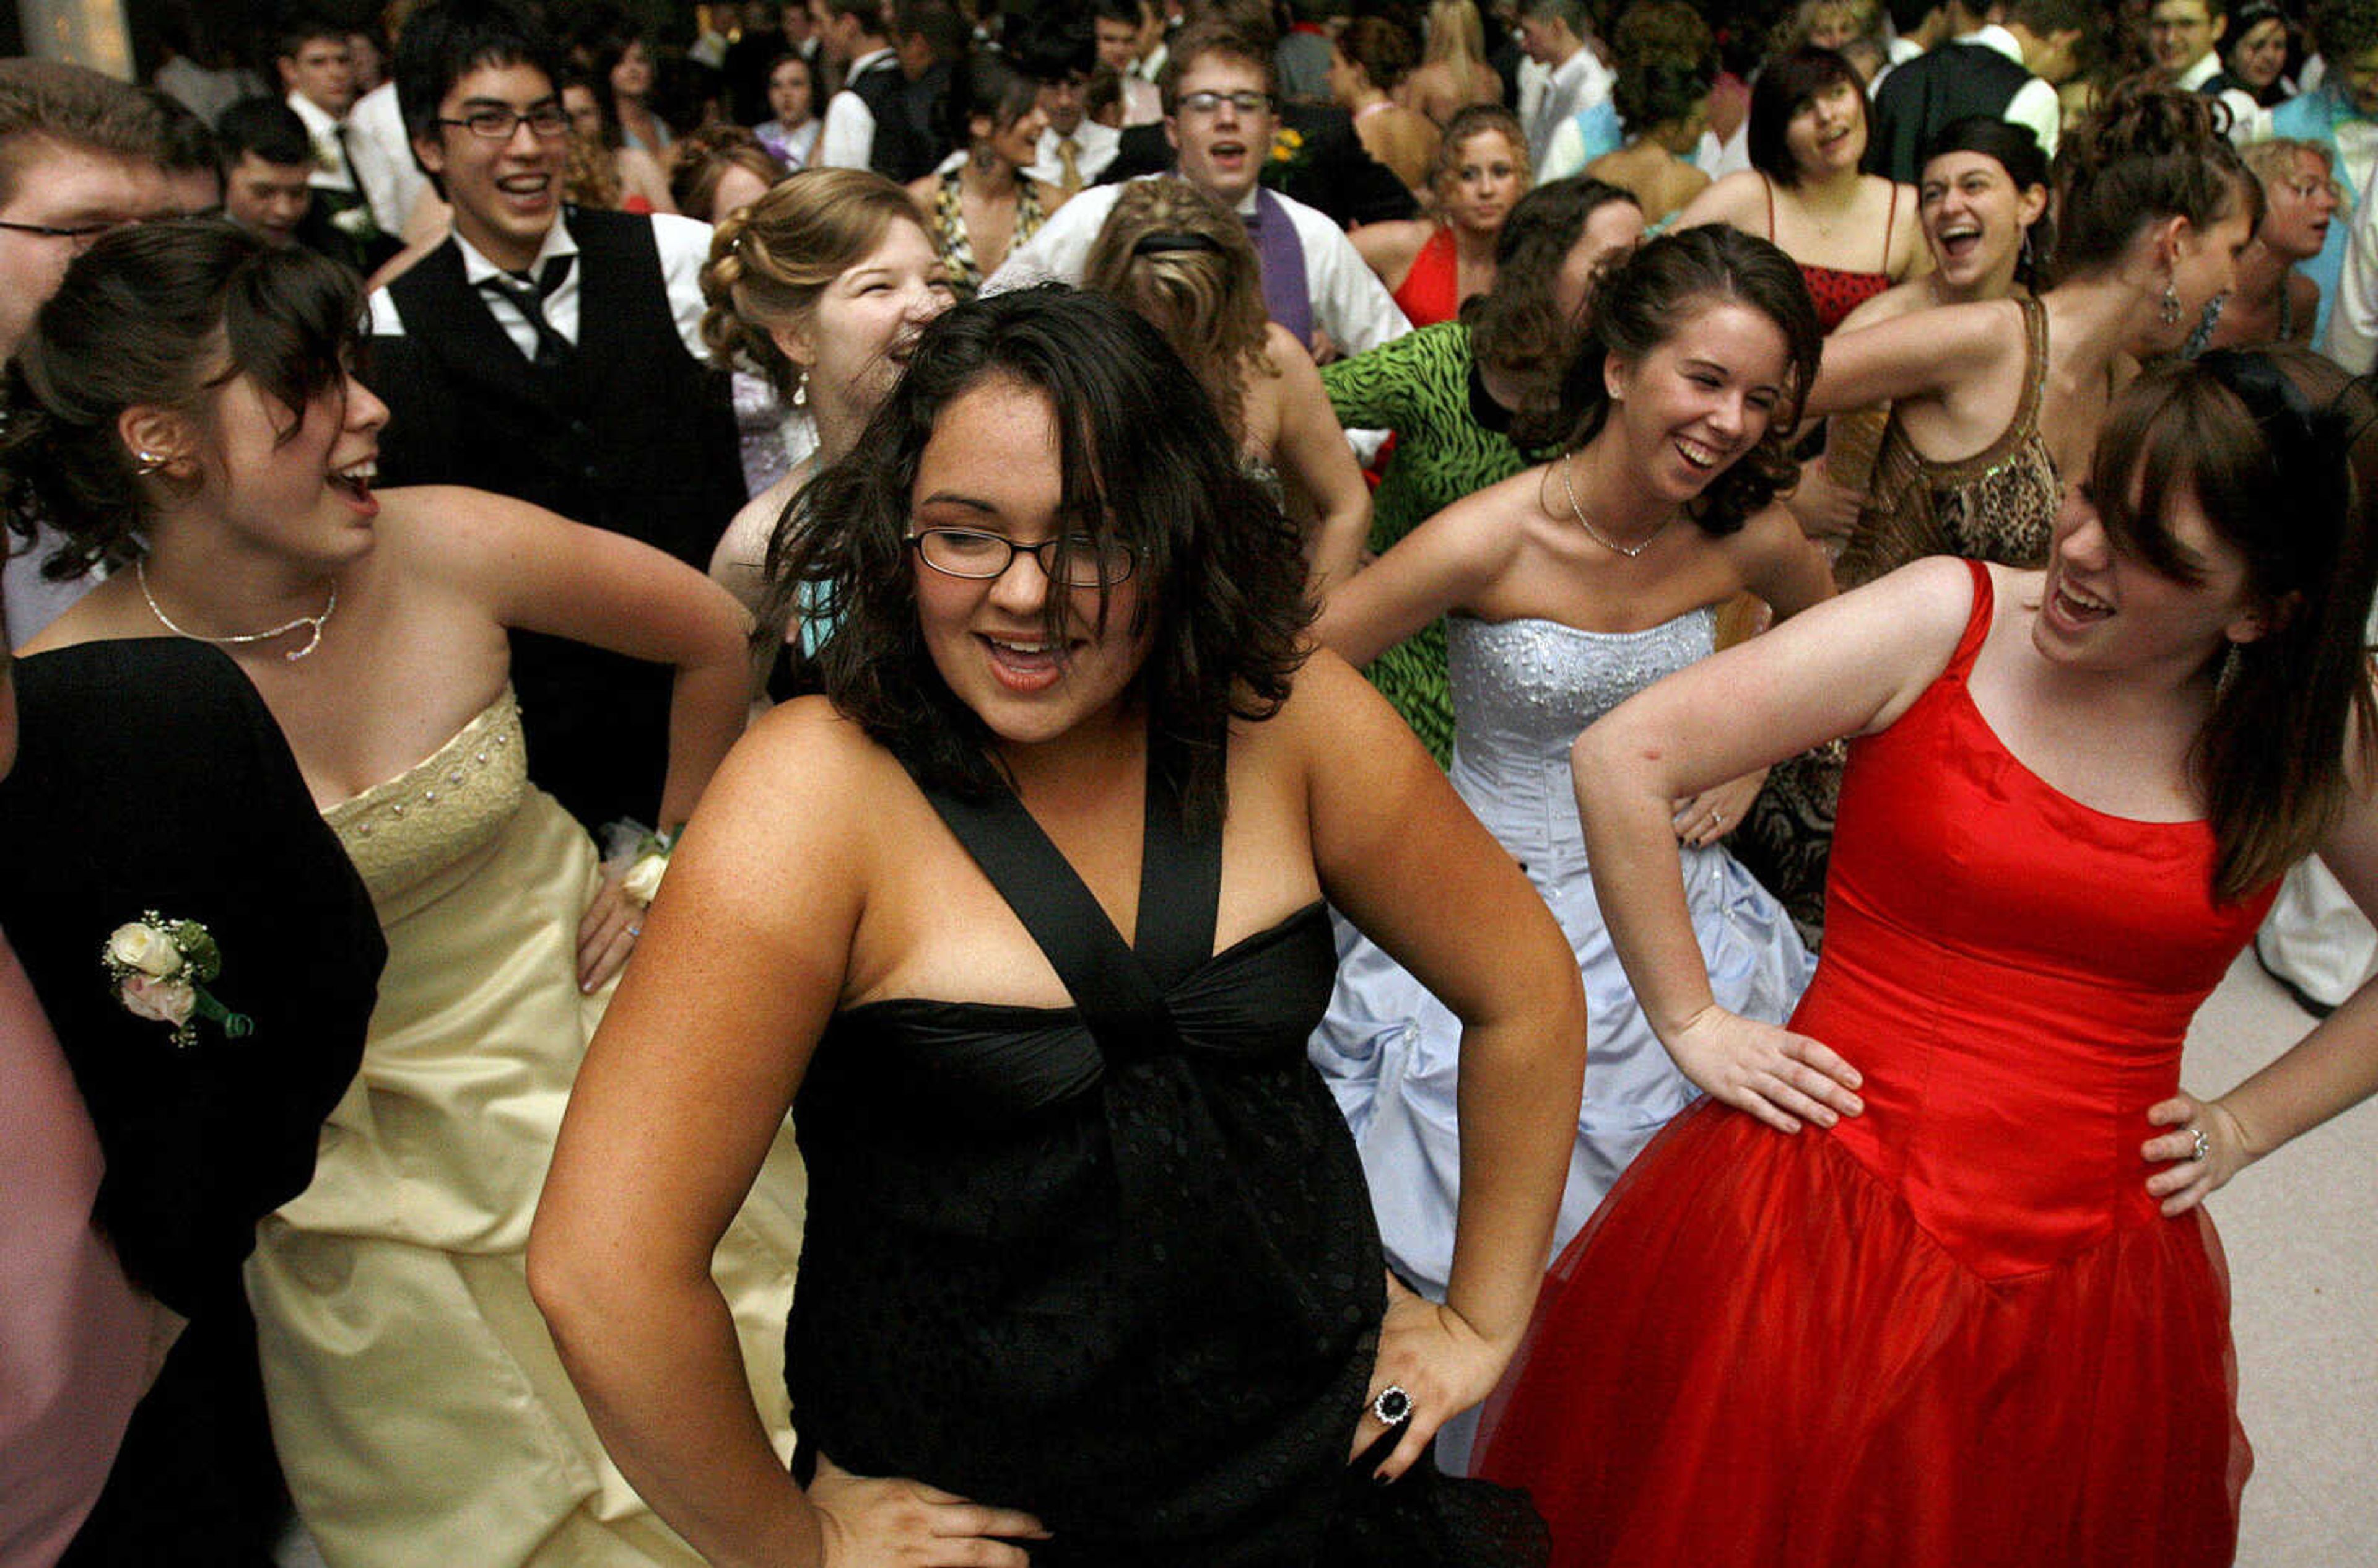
546 120
1081 561
1211 102
81 236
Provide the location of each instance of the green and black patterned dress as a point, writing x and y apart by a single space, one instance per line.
1451 440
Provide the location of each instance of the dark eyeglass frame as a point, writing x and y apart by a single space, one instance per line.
1096 553
84 232
548 121
1245 102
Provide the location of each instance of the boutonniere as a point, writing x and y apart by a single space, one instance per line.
160 969
1287 158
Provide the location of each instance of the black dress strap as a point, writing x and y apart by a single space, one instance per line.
1117 988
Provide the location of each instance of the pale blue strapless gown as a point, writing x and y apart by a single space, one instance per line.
1522 692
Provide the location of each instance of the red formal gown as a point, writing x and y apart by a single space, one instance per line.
1955 1332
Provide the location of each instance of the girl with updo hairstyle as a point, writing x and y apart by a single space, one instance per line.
1665 63
984 207
1368 63
1433 264
1183 262
1997 403
1564 590
719 169
183 409
1967 1168
819 288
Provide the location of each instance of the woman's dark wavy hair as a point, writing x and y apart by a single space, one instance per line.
1637 303
2145 154
1145 461
2015 150
2277 447
1787 85
1516 328
159 313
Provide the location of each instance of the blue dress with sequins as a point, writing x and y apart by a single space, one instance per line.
1522 692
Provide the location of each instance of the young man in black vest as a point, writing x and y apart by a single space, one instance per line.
858 40
1977 68
552 353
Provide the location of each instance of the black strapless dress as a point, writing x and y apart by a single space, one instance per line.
1112 1263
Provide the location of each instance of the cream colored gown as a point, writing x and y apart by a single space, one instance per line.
421 1412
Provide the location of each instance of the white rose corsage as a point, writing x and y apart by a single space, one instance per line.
160 969
645 856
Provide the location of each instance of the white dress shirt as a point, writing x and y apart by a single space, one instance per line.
1094 148
684 245
382 156
1348 301
848 139
1577 82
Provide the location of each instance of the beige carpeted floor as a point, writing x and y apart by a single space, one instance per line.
2302 1237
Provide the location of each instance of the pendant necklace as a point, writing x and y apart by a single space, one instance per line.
1578 512
141 571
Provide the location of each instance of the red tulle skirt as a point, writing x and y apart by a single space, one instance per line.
1753 1354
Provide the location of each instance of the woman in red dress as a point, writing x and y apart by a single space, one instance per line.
1926 1281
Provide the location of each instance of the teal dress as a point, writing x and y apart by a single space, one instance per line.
1451 440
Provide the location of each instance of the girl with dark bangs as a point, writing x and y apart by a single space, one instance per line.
182 410
1951 1298
1089 1269
1806 188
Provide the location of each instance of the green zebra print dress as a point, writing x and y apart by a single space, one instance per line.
1451 440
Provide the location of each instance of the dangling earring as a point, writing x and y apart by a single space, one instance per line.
2169 311
801 388
2227 676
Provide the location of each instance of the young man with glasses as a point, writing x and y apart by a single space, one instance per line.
555 355
1220 115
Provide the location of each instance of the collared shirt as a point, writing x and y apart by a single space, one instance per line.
1575 85
1348 301
382 157
330 171
1095 147
848 139
684 245
2034 105
2248 121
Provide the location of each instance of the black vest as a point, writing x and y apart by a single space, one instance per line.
1931 92
898 152
634 435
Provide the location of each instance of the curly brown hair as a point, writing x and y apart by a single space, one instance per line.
1143 462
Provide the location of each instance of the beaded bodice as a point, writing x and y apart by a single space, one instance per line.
452 803
1523 690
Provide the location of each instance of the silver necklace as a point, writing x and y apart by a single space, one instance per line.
141 571
1592 532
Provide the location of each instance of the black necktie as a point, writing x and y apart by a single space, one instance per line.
528 296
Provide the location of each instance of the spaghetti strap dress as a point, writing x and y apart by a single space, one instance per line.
1953 1332
1111 1263
1838 291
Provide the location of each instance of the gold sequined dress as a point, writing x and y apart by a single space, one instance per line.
417 1403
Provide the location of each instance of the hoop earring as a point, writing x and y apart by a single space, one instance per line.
2169 311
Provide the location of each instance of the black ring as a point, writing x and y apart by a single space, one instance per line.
1393 1406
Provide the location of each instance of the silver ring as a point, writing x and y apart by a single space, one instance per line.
2204 1149
1393 1406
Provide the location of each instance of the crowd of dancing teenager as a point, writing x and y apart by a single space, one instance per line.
1096 787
